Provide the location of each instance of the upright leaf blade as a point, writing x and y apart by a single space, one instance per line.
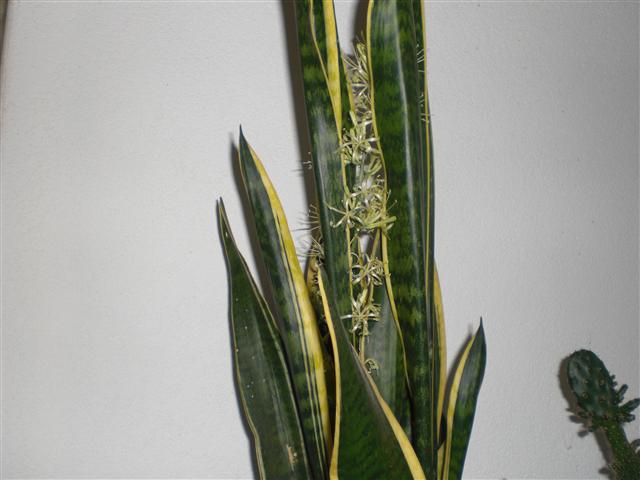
369 443
261 373
396 97
432 280
325 35
442 351
384 345
463 398
297 320
321 73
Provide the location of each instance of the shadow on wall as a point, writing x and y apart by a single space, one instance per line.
3 20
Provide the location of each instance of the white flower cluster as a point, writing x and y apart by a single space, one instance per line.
364 208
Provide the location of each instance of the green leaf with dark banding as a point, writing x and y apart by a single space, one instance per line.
441 346
433 288
384 347
325 36
319 30
369 443
261 373
295 314
396 96
463 398
324 100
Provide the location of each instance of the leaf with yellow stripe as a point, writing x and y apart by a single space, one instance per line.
442 355
295 315
325 36
369 443
324 100
396 93
442 349
461 409
261 373
384 349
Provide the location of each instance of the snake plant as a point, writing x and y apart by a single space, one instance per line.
600 405
342 374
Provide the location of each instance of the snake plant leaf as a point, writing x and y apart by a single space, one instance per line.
442 350
461 409
311 277
439 340
319 28
369 443
321 65
296 317
396 96
325 35
261 373
442 357
384 346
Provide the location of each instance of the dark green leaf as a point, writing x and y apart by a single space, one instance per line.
325 129
369 443
261 373
397 91
384 347
462 404
295 314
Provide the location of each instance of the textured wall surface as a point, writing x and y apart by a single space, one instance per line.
118 125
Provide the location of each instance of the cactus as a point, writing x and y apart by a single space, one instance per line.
600 405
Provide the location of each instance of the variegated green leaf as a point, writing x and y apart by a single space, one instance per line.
325 35
384 349
321 73
436 308
261 373
461 409
296 317
397 93
369 443
442 350
385 354
442 377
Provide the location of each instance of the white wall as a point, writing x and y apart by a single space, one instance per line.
118 121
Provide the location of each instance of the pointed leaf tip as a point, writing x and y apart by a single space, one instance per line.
480 331
222 215
463 398
241 136
225 231
296 318
265 388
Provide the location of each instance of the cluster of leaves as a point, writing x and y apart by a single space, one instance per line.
347 377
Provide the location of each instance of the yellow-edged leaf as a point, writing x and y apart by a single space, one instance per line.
461 408
295 315
369 443
262 378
